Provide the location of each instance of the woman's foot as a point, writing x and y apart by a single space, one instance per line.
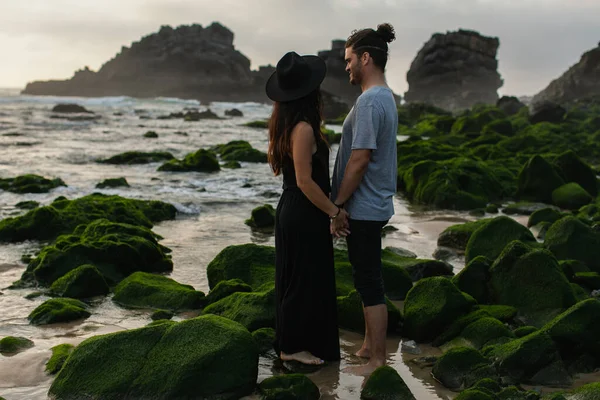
303 357
363 353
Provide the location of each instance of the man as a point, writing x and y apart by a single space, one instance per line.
364 180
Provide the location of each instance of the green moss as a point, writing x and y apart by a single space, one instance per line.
473 279
12 344
240 150
288 387
385 383
574 169
151 135
63 216
82 282
490 239
112 183
226 288
589 213
544 215
262 217
30 184
502 126
457 236
58 310
430 306
60 354
462 367
162 315
590 280
264 339
232 165
571 239
434 125
513 393
417 269
117 250
206 357
591 391
489 385
27 205
252 264
580 293
485 330
571 196
351 316
331 137
253 310
200 161
145 290
138 157
257 124
474 394
524 331
500 312
531 281
524 357
537 180
457 326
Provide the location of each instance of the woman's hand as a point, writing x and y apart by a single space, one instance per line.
340 226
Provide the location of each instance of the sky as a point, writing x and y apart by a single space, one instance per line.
539 39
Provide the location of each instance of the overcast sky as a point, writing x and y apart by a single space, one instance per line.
539 39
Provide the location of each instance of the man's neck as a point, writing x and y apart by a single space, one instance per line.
375 79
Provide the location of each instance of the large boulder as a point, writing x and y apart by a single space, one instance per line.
474 278
571 196
457 236
240 150
351 315
491 238
431 305
205 357
571 239
546 111
63 216
537 180
532 281
385 383
462 367
574 169
144 290
68 108
58 310
262 217
251 263
455 71
510 105
82 282
117 250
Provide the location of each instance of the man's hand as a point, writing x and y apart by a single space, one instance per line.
339 226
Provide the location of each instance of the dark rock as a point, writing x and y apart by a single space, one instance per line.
571 196
264 339
112 183
262 217
70 108
333 106
81 283
547 214
138 157
571 239
462 367
474 278
455 71
27 205
240 150
401 252
386 383
457 236
537 180
191 116
546 112
13 345
234 112
290 387
30 184
574 169
151 135
162 315
510 105
58 310
201 161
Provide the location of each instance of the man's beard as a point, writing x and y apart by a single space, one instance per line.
356 76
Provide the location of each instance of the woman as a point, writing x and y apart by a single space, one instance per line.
305 279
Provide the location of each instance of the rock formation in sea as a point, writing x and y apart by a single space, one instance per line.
580 81
455 71
337 81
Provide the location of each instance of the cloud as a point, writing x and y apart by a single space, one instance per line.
539 39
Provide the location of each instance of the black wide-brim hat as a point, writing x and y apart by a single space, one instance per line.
295 77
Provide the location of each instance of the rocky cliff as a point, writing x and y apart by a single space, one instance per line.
337 80
582 80
455 71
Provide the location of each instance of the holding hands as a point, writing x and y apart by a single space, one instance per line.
340 226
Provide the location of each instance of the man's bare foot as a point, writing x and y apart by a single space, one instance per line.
303 357
363 370
363 353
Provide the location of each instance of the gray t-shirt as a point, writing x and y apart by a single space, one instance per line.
371 124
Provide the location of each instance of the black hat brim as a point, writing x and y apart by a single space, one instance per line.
318 71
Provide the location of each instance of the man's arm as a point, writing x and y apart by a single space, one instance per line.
353 175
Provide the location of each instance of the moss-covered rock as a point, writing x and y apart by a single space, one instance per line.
431 305
264 339
571 239
502 126
524 331
27 205
289 387
63 216
485 330
462 367
201 161
457 236
351 316
522 358
12 344
262 217
30 184
58 310
537 180
532 281
254 310
60 354
112 183
417 269
138 157
151 135
491 238
257 124
82 282
207 357
252 264
232 165
159 315
544 215
226 288
574 169
473 279
386 383
475 394
571 196
590 280
145 290
455 328
240 150
591 391
117 250
500 312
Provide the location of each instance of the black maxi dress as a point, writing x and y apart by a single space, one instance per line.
305 276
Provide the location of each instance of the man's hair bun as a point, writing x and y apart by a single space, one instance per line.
386 31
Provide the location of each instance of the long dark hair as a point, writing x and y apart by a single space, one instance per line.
285 116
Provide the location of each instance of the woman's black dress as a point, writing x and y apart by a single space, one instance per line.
305 276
